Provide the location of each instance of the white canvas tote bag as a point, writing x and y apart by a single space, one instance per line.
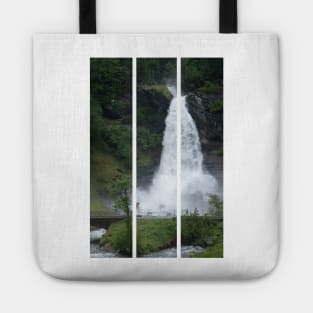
156 156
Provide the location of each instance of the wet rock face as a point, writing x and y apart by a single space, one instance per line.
152 108
207 112
154 102
118 109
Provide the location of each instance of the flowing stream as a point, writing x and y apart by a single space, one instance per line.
196 183
96 251
186 252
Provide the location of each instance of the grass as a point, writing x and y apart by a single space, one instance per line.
98 207
154 234
162 89
211 88
104 167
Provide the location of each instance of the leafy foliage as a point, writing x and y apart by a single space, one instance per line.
156 71
121 188
205 231
204 75
110 129
216 205
110 78
119 138
147 140
216 249
152 107
110 84
119 237
195 229
216 106
96 120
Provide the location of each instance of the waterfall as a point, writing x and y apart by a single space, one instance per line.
196 183
160 198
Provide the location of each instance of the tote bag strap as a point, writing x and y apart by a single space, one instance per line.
228 16
87 16
227 24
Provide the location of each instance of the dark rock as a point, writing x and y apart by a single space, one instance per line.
107 247
117 109
209 120
154 102
152 108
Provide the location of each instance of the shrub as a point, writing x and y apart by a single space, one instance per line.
195 229
153 234
119 138
119 238
216 249
147 140
216 106
216 206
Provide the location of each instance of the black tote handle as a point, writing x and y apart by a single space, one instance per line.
228 16
87 16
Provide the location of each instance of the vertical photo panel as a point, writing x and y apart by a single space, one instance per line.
156 157
110 157
202 157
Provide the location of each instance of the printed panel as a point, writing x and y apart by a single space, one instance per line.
156 158
110 157
202 157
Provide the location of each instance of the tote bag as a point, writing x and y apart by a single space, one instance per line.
156 156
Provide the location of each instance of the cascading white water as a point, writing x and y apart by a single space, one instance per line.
196 184
160 198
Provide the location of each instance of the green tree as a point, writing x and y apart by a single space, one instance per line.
121 189
155 71
119 138
195 228
202 73
216 205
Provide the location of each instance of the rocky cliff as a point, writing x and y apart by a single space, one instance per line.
207 112
152 106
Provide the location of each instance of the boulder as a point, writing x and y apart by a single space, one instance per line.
153 102
107 247
208 116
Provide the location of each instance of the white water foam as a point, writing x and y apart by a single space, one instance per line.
97 234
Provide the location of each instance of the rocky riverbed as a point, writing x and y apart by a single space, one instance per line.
186 252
